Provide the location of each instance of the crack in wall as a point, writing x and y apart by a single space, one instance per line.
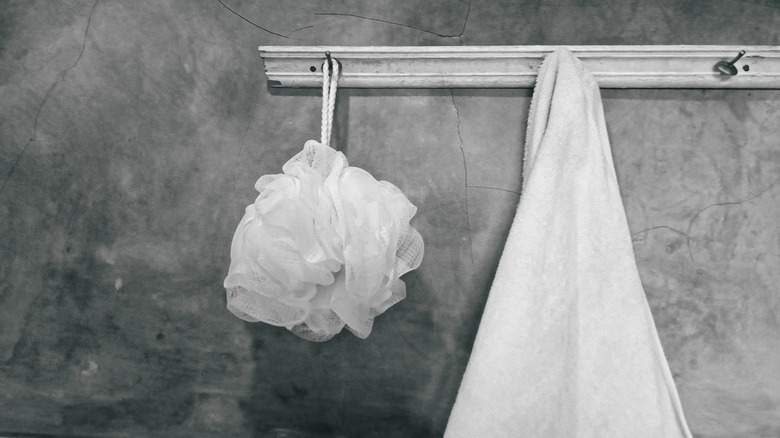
687 233
722 204
493 188
646 230
60 78
465 21
261 27
660 226
298 30
465 180
408 26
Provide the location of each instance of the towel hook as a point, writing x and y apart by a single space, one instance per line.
330 61
727 68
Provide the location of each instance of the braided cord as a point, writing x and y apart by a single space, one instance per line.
329 85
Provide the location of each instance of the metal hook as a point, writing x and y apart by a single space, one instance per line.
727 68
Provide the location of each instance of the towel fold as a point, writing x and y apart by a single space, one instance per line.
567 346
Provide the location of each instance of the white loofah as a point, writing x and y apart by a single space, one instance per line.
323 246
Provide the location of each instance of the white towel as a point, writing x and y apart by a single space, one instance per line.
567 346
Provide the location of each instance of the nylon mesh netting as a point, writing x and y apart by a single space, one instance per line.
322 248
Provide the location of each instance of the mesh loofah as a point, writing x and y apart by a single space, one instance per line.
322 247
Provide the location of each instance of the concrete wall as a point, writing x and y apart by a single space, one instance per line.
131 134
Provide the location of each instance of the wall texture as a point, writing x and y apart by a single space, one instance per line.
131 134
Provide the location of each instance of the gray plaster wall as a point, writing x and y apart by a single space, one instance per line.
132 132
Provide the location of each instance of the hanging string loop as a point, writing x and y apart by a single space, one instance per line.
330 78
329 60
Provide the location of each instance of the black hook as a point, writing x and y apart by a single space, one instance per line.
727 68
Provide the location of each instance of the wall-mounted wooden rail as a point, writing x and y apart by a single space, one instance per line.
516 66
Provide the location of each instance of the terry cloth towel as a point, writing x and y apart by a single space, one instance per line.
567 346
